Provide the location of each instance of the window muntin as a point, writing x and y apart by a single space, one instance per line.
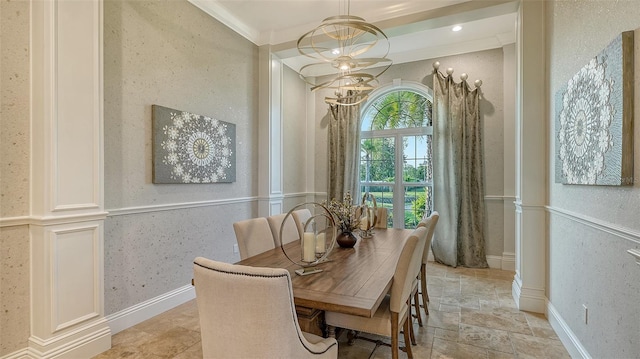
397 124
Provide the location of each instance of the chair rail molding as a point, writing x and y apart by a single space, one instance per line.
636 254
66 222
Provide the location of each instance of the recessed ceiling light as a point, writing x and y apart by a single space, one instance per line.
456 28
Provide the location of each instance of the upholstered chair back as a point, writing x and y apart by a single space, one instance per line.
407 269
301 216
248 312
289 232
430 223
253 236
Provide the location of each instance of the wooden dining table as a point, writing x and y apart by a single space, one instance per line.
353 280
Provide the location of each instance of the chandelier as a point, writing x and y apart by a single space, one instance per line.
352 51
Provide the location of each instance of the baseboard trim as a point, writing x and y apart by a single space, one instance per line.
20 354
505 262
494 262
566 335
140 312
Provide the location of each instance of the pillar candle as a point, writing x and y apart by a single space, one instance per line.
309 247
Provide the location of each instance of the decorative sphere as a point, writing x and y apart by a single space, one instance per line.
449 70
478 83
436 65
464 77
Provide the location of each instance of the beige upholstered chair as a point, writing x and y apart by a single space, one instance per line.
394 311
248 312
301 216
253 236
429 223
289 232
383 217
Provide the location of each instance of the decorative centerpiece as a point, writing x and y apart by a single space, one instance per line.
317 236
368 215
347 220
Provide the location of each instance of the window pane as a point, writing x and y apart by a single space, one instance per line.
384 198
417 205
399 109
377 160
416 164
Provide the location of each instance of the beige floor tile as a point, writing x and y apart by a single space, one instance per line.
499 318
445 349
472 315
527 346
493 339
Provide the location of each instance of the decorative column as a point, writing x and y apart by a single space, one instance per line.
531 193
270 182
67 191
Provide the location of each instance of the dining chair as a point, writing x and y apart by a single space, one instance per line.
301 216
394 311
289 232
253 236
248 312
429 223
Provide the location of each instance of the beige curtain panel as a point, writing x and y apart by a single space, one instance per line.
458 174
344 139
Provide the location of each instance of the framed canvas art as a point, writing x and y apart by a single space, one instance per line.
191 148
594 119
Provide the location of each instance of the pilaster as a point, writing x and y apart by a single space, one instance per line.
67 186
531 194
270 172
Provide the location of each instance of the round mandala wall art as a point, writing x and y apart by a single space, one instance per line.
190 148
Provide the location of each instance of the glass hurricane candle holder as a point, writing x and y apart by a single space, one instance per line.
317 236
368 215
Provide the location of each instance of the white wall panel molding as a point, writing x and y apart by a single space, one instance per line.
270 141
604 226
178 206
565 334
67 181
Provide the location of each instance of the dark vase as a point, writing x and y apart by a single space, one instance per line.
346 239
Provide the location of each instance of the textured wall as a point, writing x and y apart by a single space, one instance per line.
14 174
484 65
591 227
172 54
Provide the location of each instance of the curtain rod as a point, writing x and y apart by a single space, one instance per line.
463 76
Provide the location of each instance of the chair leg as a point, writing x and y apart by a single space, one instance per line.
423 285
406 338
395 346
413 338
416 304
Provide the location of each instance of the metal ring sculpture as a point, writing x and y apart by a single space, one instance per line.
321 240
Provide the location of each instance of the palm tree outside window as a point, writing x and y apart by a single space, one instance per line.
395 152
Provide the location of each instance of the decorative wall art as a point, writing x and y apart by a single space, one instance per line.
190 148
594 119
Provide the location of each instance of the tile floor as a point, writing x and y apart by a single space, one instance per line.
472 315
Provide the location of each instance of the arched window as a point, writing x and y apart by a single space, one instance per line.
395 151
